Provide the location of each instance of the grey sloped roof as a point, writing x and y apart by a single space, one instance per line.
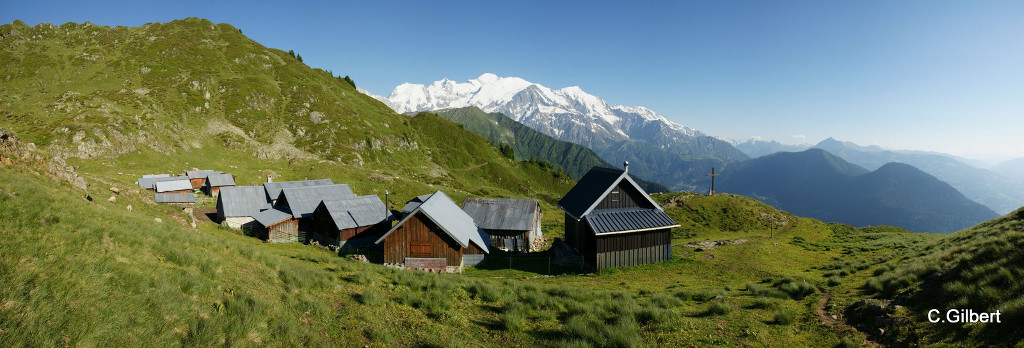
175 198
513 214
199 174
273 189
150 182
271 216
174 185
356 212
242 200
303 200
446 214
217 180
607 221
593 187
412 204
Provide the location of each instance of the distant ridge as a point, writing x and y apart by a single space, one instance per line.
817 184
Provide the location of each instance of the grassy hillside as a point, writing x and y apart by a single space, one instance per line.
166 97
529 144
978 268
80 273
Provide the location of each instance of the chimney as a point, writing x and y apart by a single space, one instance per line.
625 166
269 179
386 209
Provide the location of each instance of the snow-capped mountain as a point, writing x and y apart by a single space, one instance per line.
568 114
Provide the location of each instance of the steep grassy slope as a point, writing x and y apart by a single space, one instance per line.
978 268
529 144
167 97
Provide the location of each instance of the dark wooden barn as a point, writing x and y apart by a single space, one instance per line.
360 219
435 236
614 223
302 201
513 224
215 182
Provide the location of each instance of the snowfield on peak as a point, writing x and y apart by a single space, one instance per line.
535 105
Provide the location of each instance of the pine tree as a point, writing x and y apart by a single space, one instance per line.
299 57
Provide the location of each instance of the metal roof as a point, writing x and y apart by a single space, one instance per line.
175 198
412 204
217 180
610 221
273 189
242 200
512 214
174 185
301 201
150 182
200 174
271 216
456 223
593 187
356 212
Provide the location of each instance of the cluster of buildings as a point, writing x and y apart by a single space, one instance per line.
609 220
179 189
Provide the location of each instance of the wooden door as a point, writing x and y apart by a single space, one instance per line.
419 249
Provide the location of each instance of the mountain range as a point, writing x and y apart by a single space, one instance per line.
817 184
999 192
663 151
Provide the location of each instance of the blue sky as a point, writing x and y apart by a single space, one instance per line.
926 75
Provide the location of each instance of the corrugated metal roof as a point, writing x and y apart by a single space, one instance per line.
273 189
357 212
628 219
271 216
446 214
174 185
593 187
150 182
218 180
242 200
175 198
303 200
513 214
199 174
414 203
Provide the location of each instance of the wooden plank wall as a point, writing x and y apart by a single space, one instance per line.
419 228
287 231
630 249
623 196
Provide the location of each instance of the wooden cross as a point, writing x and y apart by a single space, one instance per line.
712 175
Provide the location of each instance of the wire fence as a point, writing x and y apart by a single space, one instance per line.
535 263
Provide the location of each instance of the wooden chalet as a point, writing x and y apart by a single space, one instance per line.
198 177
614 223
302 201
236 206
180 185
179 199
435 236
273 189
361 220
216 182
513 224
276 226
